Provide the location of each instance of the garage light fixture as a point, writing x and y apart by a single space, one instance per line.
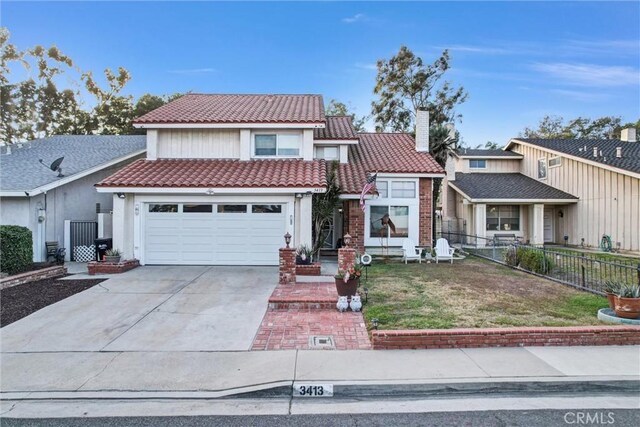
120 195
287 239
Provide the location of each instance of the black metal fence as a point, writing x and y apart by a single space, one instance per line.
583 270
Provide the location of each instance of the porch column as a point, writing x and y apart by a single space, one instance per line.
537 224
118 223
305 220
480 222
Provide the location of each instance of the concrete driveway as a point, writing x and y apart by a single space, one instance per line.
168 308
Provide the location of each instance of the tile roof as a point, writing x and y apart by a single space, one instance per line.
480 152
219 173
21 171
506 186
630 160
337 127
383 152
219 108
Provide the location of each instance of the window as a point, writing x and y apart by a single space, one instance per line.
542 169
503 218
327 153
389 221
266 208
383 189
197 208
285 145
232 208
163 208
555 161
403 189
477 164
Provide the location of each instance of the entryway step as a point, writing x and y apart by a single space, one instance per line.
303 296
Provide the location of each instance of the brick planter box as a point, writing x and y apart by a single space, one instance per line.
103 267
505 337
33 276
308 270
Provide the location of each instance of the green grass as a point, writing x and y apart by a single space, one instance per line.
471 293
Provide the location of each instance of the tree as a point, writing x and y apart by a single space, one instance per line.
405 84
113 113
555 127
149 102
337 108
441 143
489 145
322 208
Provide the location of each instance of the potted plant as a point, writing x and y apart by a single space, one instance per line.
610 289
627 301
347 280
112 255
303 255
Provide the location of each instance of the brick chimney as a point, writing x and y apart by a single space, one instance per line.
422 130
628 135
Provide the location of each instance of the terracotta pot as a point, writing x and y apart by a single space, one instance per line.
611 299
627 308
347 289
112 259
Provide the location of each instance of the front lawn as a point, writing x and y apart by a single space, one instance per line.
472 293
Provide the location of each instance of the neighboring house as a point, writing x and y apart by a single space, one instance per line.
544 189
34 196
226 176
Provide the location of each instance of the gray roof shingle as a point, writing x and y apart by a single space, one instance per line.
484 152
506 186
630 159
21 170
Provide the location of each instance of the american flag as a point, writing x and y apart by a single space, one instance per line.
371 182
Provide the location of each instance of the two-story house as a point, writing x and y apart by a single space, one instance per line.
546 190
226 176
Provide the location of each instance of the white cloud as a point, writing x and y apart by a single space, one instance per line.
363 66
580 74
358 17
602 47
194 71
477 49
580 95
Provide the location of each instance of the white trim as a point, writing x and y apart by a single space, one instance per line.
312 125
212 191
411 175
336 142
549 165
277 133
71 178
355 197
576 158
478 168
546 170
518 157
511 201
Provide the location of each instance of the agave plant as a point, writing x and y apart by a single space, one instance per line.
629 291
611 287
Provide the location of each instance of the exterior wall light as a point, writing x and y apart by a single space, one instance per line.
347 240
120 195
287 239
375 323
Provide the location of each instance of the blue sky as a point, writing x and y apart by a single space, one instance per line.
518 60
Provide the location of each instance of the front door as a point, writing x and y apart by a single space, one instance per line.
548 225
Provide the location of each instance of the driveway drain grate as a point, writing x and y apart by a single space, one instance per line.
321 341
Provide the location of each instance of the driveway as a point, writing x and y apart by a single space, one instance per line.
163 308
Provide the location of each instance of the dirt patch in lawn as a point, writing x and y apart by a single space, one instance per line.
20 301
472 293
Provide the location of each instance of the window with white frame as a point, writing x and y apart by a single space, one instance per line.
542 168
383 189
389 221
277 145
555 161
327 152
503 217
477 164
403 189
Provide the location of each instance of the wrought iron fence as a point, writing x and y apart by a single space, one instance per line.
586 271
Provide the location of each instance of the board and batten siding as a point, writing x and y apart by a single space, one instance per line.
609 201
493 165
198 144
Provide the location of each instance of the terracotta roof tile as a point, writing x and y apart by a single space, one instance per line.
218 108
219 174
383 152
337 127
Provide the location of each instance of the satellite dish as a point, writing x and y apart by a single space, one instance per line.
55 166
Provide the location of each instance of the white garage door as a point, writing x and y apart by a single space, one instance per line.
213 234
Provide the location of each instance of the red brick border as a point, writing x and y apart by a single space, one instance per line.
287 265
308 270
103 267
33 276
505 337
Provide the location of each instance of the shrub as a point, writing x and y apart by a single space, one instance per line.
16 249
535 260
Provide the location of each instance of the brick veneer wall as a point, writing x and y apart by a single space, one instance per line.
506 337
32 276
287 271
102 267
426 212
354 223
346 258
308 270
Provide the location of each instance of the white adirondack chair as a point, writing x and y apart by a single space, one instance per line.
443 251
410 252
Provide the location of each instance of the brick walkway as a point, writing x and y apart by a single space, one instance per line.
297 312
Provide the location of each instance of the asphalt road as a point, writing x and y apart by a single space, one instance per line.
547 418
